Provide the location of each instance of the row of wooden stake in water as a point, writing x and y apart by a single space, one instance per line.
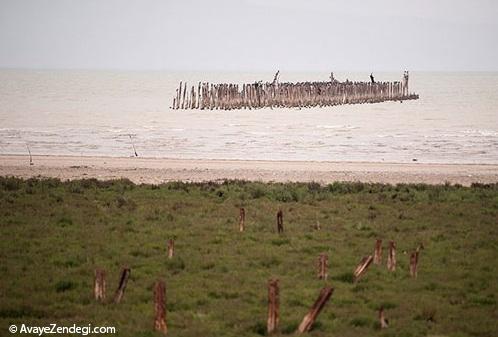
257 95
273 284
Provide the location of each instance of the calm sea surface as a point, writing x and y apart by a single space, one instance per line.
93 113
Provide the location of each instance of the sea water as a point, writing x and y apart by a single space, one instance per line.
94 113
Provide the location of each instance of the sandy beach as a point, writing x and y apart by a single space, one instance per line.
155 171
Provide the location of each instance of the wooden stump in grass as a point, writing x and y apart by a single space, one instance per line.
362 267
99 285
273 306
242 219
323 263
160 307
311 316
280 221
171 248
123 281
391 257
382 319
378 252
414 263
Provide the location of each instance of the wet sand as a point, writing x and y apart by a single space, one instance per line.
155 171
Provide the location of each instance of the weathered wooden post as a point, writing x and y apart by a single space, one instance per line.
199 96
160 307
99 285
178 96
123 281
280 221
414 263
391 257
382 319
242 219
361 268
192 99
171 248
378 252
184 96
311 316
273 306
323 262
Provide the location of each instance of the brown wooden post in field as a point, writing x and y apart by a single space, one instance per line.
273 306
323 263
242 219
99 285
391 257
414 263
280 221
160 307
171 248
311 316
362 267
123 281
382 319
378 252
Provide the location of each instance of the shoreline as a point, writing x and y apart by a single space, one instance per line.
160 170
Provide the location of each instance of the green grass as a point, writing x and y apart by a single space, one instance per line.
55 234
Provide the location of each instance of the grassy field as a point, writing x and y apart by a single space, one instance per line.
55 234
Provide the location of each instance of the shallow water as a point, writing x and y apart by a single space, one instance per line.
94 112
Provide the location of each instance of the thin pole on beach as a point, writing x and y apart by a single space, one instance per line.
30 156
133 146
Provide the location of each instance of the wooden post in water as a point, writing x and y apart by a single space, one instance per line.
378 252
391 256
273 306
323 263
171 248
199 97
242 219
178 95
382 319
192 98
99 285
311 316
160 307
184 95
123 281
362 267
414 263
280 221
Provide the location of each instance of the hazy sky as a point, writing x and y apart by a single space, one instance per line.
320 35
